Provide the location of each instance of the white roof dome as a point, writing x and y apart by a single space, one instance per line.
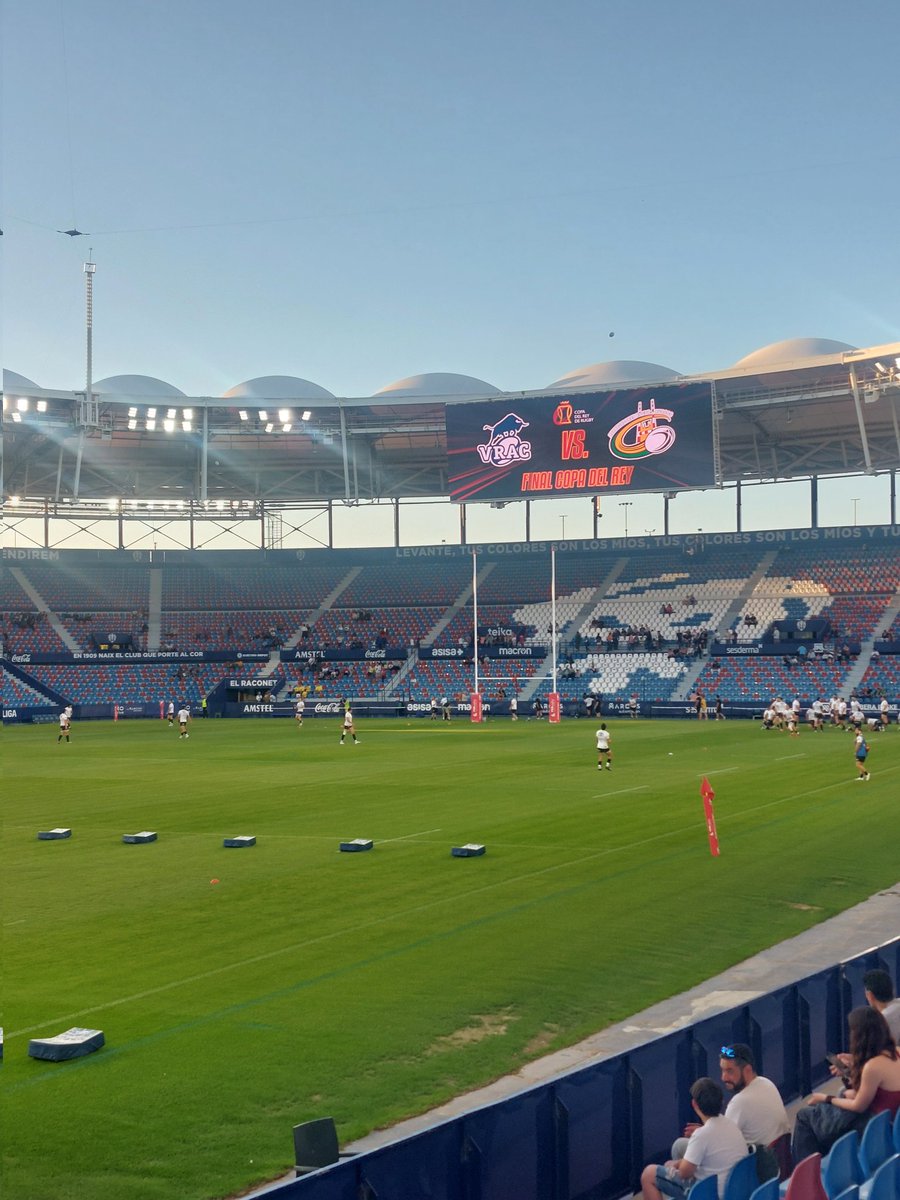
136 385
14 382
439 383
608 374
792 349
277 387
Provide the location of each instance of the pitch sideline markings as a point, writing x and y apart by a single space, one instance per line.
403 914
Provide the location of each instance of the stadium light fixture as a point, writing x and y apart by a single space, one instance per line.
132 423
242 413
169 424
286 427
188 414
151 412
284 415
263 415
881 368
41 405
22 404
17 416
305 415
269 427
132 412
171 414
150 424
187 426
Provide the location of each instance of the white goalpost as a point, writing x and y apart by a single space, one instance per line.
554 709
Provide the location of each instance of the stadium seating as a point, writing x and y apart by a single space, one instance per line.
875 1145
398 601
840 1167
805 1182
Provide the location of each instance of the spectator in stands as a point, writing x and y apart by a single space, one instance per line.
879 989
755 1107
874 1087
712 1149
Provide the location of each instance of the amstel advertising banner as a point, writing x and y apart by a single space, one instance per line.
648 439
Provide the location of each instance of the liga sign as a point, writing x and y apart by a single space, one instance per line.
646 439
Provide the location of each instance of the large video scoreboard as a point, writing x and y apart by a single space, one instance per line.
647 439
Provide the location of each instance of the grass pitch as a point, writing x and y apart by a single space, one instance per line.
371 986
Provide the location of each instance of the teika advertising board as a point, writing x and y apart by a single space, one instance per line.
647 439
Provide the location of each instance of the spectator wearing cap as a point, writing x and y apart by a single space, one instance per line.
755 1107
713 1148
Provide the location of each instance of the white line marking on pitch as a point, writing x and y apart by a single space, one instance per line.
6 924
384 841
785 757
645 787
720 771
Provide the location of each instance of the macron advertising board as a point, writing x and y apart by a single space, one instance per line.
647 439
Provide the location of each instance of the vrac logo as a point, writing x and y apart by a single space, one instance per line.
504 446
640 435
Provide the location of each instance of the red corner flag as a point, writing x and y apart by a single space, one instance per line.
708 796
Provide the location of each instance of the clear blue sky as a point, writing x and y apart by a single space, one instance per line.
354 191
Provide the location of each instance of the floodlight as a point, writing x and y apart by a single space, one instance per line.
132 412
188 414
151 424
151 412
17 416
306 414
186 426
41 406
269 427
881 368
263 415
169 424
172 414
132 424
242 413
286 427
22 404
14 500
284 415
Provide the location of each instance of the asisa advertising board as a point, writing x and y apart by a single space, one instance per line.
648 439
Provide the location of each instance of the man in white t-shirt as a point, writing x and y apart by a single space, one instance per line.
299 709
713 1148
879 990
184 716
884 712
755 1106
514 709
171 713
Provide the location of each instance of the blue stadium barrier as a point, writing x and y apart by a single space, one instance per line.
588 1134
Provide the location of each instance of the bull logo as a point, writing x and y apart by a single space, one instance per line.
640 434
503 445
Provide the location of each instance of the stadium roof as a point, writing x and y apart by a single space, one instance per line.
792 409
